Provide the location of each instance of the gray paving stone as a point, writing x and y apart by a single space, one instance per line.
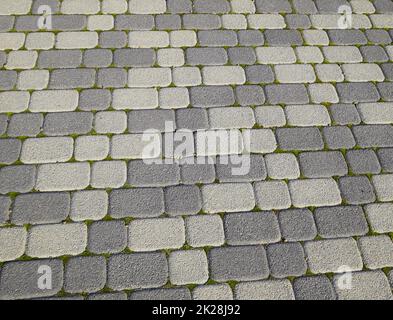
363 161
3 58
107 237
94 99
70 22
141 174
338 137
250 38
256 170
40 208
353 92
179 6
357 190
322 164
297 225
85 274
242 55
377 251
25 23
279 6
112 78
138 203
3 123
211 6
25 125
19 279
201 21
387 69
141 120
386 91
113 39
368 285
10 150
162 294
5 206
374 54
332 6
286 259
192 119
116 296
182 200
341 222
344 114
72 78
17 179
134 22
250 95
8 79
299 138
6 23
287 94
251 228
97 58
245 263
283 38
264 290
134 57
368 136
257 74
59 59
54 5
347 37
212 96
385 156
298 21
314 288
206 56
217 38
198 173
168 22
383 6
377 36
66 123
137 271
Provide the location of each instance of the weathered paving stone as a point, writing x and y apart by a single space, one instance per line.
107 237
182 200
344 114
246 263
85 274
171 294
5 206
363 161
380 217
201 21
286 259
330 255
204 230
25 125
10 150
40 208
19 279
137 271
283 38
264 290
8 80
377 251
299 139
323 164
156 234
314 288
213 292
251 228
297 225
89 205
367 285
307 115
56 240
17 179
373 135
357 190
340 222
14 243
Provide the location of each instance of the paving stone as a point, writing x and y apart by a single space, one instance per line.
170 57
286 259
307 115
188 266
211 6
387 69
347 37
85 274
141 98
244 263
275 55
59 59
270 116
168 22
94 99
107 237
250 38
297 225
313 288
377 251
8 80
116 296
357 190
56 240
229 118
110 122
257 74
357 92
198 173
134 22
383 6
217 38
385 89
338 137
234 21
97 58
77 40
112 78
242 56
5 209
204 230
315 37
287 94
249 95
330 255
6 23
33 79
201 21
191 119
213 292
225 75
179 6
152 175
54 101
378 36
228 197
385 156
137 271
382 185
216 96
373 135
298 21
59 124
10 150
113 39
91 148
140 121
329 72
260 141
21 60
63 176
323 93
108 174
3 123
89 205
374 54
178 293
174 98
138 202
283 38
380 217
14 243
71 22
156 234
363 161
19 279
72 78
344 114
264 290
272 195
40 208
251 228
17 179
367 285
362 72
299 139
182 200
280 6
12 41
323 164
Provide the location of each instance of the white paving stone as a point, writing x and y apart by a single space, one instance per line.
188 266
13 243
266 21
91 148
14 101
376 113
307 115
54 101
224 75
89 205
276 55
124 99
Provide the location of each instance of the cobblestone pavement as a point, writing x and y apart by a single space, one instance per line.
303 87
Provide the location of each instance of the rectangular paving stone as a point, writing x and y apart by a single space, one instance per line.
40 208
89 205
250 38
200 170
307 115
134 22
179 293
204 230
385 159
3 123
113 39
323 164
19 279
265 290
275 55
357 190
57 240
201 21
107 237
217 38
10 150
339 137
272 195
137 202
217 96
297 225
182 200
141 174
91 148
14 243
382 185
282 166
54 101
377 251
14 101
313 288
108 174
380 217
329 255
373 135
5 206
243 263
213 292
8 79
227 75
59 124
19 178
137 271
283 38
287 94
354 92
363 161
299 139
